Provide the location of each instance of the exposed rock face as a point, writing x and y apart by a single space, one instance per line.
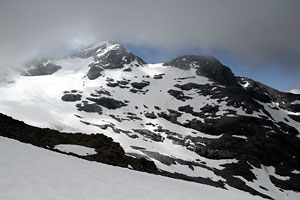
150 115
266 94
158 76
91 108
94 72
149 134
178 95
71 97
117 57
40 68
207 66
235 96
140 85
108 103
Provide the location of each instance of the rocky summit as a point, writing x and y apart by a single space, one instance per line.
189 118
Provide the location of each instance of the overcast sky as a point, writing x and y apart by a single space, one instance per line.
263 33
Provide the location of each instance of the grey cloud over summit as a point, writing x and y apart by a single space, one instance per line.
263 31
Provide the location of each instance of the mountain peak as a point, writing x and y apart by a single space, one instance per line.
96 47
110 55
187 61
207 66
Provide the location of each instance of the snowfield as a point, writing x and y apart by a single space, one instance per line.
28 172
76 149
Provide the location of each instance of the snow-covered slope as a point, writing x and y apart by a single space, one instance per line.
29 172
191 115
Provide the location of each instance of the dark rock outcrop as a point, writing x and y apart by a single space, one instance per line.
267 94
71 97
149 134
94 71
116 58
40 68
92 108
150 115
178 95
158 76
207 66
108 151
108 102
140 85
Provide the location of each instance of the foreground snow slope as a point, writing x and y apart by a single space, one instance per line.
28 172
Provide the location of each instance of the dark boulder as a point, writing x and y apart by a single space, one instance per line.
108 102
158 76
150 115
94 71
112 84
178 94
140 85
91 108
71 97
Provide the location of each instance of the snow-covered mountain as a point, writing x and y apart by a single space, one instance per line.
191 116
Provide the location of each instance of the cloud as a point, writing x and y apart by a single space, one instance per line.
263 32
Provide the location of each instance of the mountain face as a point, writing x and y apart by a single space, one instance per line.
191 116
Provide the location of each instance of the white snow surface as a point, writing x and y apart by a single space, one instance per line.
295 172
76 149
296 102
245 84
240 136
28 172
